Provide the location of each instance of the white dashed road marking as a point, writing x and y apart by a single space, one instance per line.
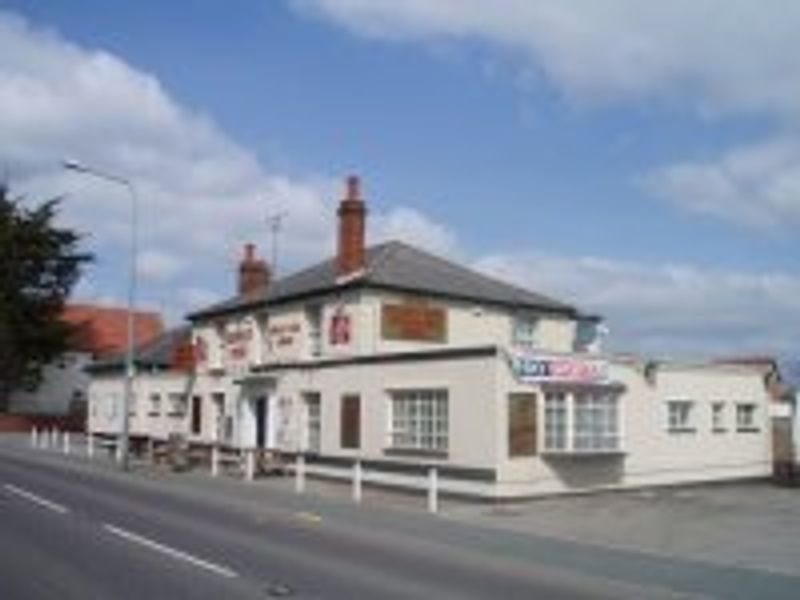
184 556
44 502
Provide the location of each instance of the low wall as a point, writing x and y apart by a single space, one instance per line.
15 423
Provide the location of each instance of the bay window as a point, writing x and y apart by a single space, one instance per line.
582 421
595 422
419 420
555 421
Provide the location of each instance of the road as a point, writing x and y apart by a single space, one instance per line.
71 529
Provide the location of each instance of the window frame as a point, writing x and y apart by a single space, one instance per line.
718 417
595 422
350 439
421 416
154 400
687 425
528 340
523 437
751 426
313 429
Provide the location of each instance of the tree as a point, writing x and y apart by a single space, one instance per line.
39 265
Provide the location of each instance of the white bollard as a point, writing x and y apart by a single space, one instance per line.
250 465
34 437
357 475
90 445
214 460
54 438
66 442
433 490
300 474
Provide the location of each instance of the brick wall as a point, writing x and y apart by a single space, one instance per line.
14 423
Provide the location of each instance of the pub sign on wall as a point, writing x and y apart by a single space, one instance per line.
413 322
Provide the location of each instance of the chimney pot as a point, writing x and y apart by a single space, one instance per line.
352 217
353 188
249 251
254 273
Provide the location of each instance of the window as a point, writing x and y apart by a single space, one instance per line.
314 315
746 417
595 423
555 421
718 417
679 416
218 403
197 414
350 422
177 405
313 422
522 425
524 331
155 405
420 420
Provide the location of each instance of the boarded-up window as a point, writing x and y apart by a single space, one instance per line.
197 414
351 421
522 425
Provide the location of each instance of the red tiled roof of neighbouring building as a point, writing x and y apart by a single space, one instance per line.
103 330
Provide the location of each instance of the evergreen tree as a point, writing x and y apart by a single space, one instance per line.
39 265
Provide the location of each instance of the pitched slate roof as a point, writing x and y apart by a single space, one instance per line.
159 352
396 266
103 330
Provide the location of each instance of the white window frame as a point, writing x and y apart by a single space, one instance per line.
419 419
718 414
178 404
155 404
312 402
750 424
680 415
556 422
525 331
595 422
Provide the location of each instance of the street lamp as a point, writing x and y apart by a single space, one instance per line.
130 365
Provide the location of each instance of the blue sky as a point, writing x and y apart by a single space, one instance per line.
633 171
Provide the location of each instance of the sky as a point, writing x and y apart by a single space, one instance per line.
640 160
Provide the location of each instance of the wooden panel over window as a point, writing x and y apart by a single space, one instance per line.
351 421
414 322
522 425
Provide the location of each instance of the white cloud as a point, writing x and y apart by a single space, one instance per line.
157 265
668 309
415 228
715 57
755 184
201 195
726 55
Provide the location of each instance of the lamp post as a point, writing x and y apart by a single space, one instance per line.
130 365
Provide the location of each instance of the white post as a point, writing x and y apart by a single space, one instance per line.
54 438
357 481
433 490
250 464
214 460
300 474
34 437
66 442
90 444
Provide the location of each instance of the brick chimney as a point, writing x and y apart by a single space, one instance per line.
352 219
254 274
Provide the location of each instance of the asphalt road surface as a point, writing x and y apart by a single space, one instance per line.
70 529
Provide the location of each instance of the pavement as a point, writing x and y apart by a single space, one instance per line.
71 527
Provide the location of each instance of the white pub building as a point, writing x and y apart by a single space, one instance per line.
403 360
